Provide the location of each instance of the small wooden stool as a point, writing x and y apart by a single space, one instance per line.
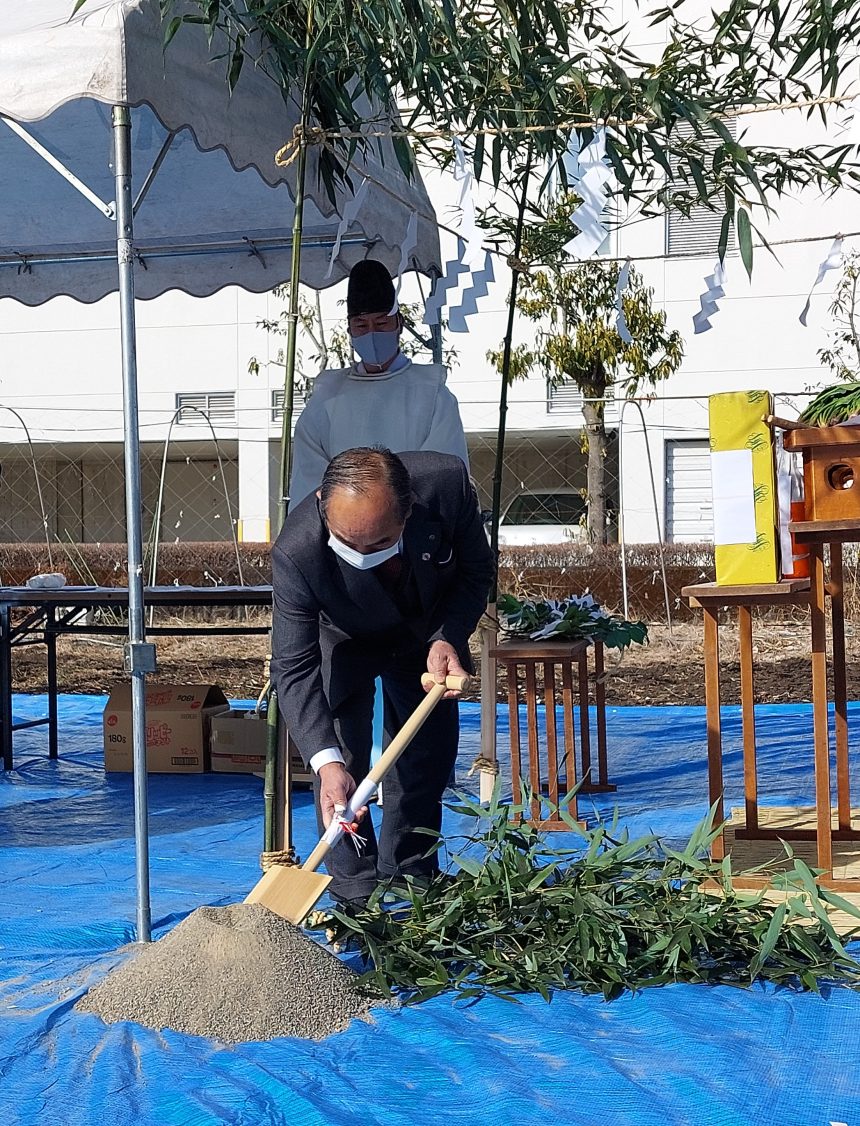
560 776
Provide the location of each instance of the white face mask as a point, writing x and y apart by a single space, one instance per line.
377 347
356 559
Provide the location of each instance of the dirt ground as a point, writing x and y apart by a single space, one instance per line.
669 670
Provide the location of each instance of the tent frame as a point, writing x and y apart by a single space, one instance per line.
140 655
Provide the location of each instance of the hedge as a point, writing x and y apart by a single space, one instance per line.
553 571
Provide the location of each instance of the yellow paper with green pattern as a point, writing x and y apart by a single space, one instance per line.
736 424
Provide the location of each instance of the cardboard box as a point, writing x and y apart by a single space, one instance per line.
238 745
743 478
177 727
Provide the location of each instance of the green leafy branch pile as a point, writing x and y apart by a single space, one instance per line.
576 618
612 915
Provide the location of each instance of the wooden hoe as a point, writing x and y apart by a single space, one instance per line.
292 892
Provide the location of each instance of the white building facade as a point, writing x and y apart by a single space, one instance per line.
61 409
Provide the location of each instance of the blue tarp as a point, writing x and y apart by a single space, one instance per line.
698 1055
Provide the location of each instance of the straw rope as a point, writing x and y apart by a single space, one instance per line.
314 135
485 765
285 857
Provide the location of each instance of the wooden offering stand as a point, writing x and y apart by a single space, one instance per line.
831 477
831 463
560 770
711 599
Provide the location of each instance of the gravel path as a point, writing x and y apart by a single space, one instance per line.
234 974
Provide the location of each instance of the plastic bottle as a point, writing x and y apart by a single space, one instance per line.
799 552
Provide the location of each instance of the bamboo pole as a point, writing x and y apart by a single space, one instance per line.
280 832
293 310
489 635
270 781
498 471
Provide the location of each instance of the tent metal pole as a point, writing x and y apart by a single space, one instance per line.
139 657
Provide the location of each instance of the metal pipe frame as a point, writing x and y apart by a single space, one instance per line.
121 120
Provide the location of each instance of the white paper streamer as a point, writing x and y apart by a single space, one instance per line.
350 210
832 262
468 231
620 320
708 300
409 243
479 287
783 494
590 178
451 280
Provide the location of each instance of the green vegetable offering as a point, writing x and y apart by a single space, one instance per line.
576 618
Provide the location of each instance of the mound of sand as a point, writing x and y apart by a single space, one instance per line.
232 973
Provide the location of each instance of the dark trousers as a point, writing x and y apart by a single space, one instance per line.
413 787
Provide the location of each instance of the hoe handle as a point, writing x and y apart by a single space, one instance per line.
368 787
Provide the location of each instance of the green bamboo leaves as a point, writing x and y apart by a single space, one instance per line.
498 70
605 915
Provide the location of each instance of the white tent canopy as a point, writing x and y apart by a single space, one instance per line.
126 168
201 224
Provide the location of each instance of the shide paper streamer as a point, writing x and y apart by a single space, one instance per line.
350 212
470 250
832 262
620 320
469 303
451 279
591 175
409 243
708 300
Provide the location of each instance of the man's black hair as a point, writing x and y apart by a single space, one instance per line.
362 469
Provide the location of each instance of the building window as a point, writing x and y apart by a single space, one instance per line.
566 398
699 232
217 406
299 400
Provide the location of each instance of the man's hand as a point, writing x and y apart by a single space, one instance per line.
442 661
337 786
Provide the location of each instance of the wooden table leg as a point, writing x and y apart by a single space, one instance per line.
514 720
569 736
748 717
840 688
588 781
821 731
712 716
532 734
551 736
600 707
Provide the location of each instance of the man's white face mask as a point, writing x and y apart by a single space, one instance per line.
376 348
356 559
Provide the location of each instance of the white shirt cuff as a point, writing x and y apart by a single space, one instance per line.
324 757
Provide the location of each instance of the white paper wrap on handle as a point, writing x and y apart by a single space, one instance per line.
343 816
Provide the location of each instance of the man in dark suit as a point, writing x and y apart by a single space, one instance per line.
384 572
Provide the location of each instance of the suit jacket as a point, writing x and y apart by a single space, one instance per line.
334 626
